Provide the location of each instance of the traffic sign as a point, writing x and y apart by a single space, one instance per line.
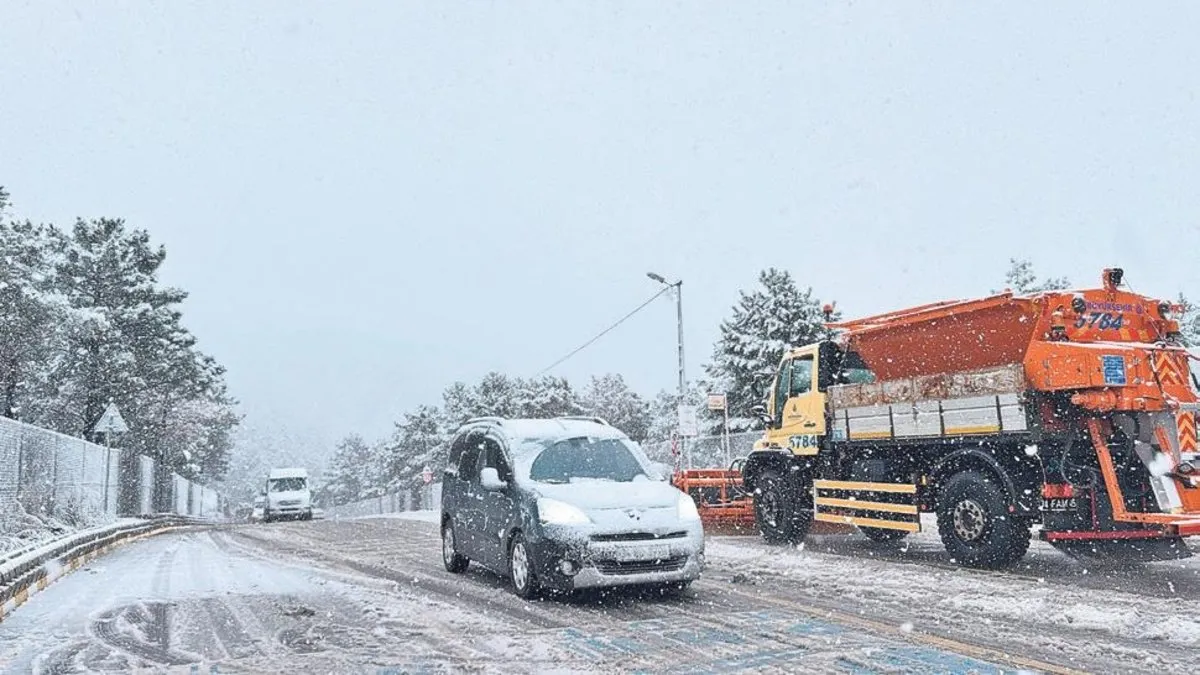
688 424
111 421
716 401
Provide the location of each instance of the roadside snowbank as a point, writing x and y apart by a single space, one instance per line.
419 516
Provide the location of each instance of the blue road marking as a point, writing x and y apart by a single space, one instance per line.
755 640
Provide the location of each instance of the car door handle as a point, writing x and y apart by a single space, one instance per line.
810 424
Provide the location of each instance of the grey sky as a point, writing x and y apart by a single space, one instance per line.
368 201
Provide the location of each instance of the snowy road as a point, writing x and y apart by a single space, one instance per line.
370 596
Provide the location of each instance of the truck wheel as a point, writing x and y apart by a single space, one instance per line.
779 509
455 563
975 525
881 535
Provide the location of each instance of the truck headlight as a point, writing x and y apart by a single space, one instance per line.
554 512
687 508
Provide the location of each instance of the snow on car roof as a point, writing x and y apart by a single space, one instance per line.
288 473
558 429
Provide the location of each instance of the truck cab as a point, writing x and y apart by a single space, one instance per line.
287 495
795 414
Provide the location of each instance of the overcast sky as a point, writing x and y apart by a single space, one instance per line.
368 201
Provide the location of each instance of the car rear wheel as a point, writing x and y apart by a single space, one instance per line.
455 563
520 568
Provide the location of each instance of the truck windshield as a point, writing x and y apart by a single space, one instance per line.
573 459
285 484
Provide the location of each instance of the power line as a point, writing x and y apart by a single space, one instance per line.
605 331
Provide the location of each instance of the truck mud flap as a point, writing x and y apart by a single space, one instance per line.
888 506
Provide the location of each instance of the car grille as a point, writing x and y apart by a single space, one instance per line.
638 536
290 502
641 566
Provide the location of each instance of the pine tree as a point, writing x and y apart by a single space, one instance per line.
355 472
764 325
32 315
610 398
1189 322
128 346
1022 281
419 440
546 397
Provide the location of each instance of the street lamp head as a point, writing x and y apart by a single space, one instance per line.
657 277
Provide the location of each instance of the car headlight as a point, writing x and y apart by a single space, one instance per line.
687 508
554 512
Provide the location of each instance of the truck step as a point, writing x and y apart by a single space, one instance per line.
888 506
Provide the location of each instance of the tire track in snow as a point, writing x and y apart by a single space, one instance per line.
662 633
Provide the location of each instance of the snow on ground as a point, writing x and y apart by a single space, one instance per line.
370 595
419 516
1048 596
20 531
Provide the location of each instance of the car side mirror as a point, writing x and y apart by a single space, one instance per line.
490 479
760 412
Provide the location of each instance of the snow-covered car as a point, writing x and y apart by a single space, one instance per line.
564 504
256 512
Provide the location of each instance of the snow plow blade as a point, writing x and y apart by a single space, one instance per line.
720 497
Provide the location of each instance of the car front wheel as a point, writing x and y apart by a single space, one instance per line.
455 563
520 569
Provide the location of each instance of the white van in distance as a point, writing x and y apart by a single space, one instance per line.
287 495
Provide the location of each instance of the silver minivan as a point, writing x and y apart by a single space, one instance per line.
563 504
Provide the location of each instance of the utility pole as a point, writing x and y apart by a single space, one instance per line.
678 288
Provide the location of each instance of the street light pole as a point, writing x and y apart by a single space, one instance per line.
678 287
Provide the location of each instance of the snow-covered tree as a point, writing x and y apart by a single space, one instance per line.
765 323
32 314
419 440
355 472
127 345
1189 322
546 397
610 398
1022 281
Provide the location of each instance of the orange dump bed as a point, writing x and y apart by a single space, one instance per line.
975 335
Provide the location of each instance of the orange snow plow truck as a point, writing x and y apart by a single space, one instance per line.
1072 410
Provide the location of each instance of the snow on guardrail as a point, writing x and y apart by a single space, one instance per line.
25 572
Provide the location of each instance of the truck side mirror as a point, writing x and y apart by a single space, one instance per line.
760 412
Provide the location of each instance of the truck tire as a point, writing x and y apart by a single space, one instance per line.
975 524
882 535
780 509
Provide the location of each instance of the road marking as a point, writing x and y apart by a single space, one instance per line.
914 636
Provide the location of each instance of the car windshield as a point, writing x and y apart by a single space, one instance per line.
285 484
581 459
